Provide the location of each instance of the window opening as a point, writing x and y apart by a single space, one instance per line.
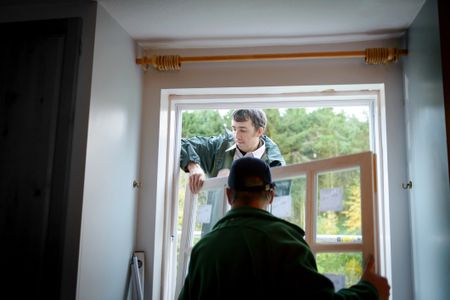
303 134
191 100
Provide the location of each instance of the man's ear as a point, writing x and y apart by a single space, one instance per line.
260 131
270 195
229 196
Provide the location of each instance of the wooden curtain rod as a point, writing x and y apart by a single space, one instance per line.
371 56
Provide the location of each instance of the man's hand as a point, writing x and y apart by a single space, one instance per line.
196 177
223 173
379 282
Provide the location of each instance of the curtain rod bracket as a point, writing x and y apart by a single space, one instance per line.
161 62
381 56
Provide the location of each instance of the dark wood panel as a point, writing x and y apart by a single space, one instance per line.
444 29
37 87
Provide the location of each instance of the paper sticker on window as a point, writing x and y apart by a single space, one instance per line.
337 279
331 199
204 214
282 206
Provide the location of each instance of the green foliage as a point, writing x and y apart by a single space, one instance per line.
347 221
203 123
353 211
319 134
349 264
328 223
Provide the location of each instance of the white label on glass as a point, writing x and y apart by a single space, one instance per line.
204 213
331 199
282 206
337 279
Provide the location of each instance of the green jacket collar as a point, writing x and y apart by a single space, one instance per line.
251 212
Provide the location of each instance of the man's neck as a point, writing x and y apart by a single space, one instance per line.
257 203
259 144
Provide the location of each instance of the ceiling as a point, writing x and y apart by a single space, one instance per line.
240 23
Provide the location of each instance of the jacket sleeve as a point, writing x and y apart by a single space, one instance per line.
275 159
301 277
361 290
200 150
185 292
274 156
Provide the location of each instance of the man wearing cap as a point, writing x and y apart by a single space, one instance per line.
250 254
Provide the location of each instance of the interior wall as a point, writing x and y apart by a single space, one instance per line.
110 201
427 157
25 11
275 73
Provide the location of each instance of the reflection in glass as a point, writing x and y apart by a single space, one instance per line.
344 269
339 207
290 204
210 207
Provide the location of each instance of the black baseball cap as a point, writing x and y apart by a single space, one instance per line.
249 174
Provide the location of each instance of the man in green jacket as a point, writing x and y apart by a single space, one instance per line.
250 254
205 157
212 156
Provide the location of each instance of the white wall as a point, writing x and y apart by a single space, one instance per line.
276 73
427 156
110 202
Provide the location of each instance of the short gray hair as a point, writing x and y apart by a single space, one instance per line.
257 116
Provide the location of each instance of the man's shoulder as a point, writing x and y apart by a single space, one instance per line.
249 216
270 144
210 140
268 140
273 153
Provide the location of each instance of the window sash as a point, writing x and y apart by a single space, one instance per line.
364 161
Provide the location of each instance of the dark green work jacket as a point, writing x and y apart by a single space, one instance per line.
250 254
212 155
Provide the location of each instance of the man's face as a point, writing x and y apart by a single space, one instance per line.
246 136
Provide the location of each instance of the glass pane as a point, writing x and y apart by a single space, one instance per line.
181 197
338 207
302 133
210 207
344 269
311 133
289 201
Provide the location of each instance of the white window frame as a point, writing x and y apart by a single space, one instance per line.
174 101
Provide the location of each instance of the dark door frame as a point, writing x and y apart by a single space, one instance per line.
53 257
444 31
